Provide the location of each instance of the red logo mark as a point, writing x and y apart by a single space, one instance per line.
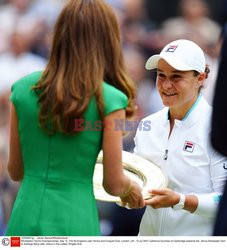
189 146
171 48
15 241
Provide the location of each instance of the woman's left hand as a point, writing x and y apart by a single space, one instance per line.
162 198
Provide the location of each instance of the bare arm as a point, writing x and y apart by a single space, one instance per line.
114 180
112 156
168 198
15 163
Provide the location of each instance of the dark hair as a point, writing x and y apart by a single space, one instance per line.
207 71
86 49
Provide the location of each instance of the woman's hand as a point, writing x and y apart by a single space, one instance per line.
162 198
133 198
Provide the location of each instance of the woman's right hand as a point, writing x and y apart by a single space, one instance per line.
133 198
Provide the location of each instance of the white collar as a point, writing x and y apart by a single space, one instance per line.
193 115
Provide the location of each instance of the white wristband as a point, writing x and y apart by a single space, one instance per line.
180 204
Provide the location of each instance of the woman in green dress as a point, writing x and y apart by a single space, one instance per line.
57 131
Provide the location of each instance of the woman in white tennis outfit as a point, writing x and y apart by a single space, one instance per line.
179 142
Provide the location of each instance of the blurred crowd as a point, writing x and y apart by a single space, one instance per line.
25 32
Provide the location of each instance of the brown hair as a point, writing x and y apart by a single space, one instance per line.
207 71
86 49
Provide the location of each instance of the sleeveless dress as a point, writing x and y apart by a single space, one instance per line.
56 195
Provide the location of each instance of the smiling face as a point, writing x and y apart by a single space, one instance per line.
178 89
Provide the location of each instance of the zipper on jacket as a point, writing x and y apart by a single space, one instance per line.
166 155
163 212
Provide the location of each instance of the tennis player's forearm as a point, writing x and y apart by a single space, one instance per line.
191 203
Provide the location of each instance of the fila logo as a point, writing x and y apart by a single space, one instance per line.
171 48
189 146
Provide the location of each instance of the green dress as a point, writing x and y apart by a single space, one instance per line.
56 195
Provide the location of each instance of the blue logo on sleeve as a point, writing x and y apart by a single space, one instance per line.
217 198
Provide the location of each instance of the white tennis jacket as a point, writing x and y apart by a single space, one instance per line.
191 165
